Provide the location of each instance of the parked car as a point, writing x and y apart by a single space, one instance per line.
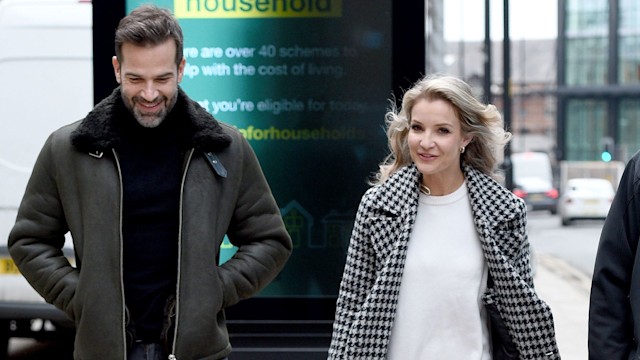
533 181
585 198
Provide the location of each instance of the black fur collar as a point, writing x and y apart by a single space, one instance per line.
99 132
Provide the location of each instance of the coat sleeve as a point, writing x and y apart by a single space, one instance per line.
611 334
258 230
37 238
357 279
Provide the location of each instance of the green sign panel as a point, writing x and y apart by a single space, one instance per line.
307 82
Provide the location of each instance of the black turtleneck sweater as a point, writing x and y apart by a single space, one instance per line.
151 161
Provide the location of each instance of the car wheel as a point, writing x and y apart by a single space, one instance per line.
566 222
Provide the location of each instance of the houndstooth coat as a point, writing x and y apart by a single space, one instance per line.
370 284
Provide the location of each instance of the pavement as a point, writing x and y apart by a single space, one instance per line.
566 290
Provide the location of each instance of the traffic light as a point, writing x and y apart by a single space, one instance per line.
607 149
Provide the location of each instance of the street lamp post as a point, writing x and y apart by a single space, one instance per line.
487 52
506 95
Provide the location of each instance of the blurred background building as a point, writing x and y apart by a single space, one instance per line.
598 79
574 97
533 85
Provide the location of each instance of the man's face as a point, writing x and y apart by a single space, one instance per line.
149 80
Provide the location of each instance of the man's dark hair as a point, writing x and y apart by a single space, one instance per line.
149 25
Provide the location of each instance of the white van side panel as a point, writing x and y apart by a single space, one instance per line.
46 66
532 164
47 81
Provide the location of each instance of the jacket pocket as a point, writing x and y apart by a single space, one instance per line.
73 310
129 329
502 343
168 327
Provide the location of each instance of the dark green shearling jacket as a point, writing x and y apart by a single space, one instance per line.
76 187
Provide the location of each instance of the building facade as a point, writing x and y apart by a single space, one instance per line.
598 79
532 120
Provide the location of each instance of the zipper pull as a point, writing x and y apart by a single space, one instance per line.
172 357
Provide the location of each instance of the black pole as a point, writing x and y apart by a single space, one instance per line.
106 16
506 94
487 52
407 28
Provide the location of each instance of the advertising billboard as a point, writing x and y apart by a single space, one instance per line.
307 82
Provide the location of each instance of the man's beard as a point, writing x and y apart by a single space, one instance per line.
149 120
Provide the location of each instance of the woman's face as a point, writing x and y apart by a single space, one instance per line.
435 138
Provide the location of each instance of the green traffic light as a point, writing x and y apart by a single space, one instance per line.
606 156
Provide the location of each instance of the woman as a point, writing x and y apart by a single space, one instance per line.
438 264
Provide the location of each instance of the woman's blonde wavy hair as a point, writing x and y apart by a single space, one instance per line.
483 122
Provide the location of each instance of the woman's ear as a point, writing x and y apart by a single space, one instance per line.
467 140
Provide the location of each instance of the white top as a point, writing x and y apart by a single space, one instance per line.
440 313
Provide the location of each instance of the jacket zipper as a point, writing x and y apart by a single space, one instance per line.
124 320
177 308
184 176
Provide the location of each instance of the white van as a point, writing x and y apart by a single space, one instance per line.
533 180
47 76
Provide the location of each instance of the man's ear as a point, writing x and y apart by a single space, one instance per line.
116 68
181 69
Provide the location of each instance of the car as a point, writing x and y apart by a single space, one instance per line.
538 194
533 181
585 199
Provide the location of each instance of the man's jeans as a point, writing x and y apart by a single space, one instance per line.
141 351
153 351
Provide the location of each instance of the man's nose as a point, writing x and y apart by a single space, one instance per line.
149 92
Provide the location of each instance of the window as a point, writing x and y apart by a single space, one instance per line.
629 33
586 125
629 128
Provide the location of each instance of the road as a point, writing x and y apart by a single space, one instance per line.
575 245
565 257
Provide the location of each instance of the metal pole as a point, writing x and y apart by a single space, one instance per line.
506 94
487 52
461 49
523 95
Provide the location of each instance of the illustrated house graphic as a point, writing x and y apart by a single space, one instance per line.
298 223
337 229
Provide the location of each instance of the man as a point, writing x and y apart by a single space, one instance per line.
614 312
148 185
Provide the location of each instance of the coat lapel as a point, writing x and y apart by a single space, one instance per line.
399 192
394 205
491 203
